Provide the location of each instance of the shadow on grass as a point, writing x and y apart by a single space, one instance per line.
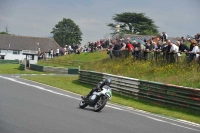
77 82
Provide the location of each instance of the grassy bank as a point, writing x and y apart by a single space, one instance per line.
73 60
72 84
179 74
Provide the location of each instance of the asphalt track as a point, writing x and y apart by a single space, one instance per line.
30 107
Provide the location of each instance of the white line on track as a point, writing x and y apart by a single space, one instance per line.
110 105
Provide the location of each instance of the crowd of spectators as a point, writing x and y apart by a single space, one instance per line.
97 46
115 47
163 45
68 49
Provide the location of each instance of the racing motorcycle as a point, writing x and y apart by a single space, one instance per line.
98 99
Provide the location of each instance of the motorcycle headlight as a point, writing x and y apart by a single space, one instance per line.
108 95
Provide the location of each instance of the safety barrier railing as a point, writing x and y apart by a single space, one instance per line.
9 61
167 57
155 92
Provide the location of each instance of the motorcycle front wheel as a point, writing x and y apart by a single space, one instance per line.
100 104
82 104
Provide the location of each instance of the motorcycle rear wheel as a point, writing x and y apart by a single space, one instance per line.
82 104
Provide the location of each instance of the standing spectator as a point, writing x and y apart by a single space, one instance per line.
70 49
191 45
197 37
130 48
174 48
136 49
182 47
92 47
123 45
154 46
110 50
195 50
182 39
164 37
95 46
65 50
51 53
134 43
57 51
116 49
159 46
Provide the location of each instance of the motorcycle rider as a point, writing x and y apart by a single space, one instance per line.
99 86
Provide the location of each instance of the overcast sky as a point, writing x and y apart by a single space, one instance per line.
38 17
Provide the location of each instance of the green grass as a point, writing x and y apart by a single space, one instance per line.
14 69
63 61
72 84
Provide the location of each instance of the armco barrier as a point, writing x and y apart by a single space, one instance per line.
60 70
170 94
36 67
90 77
22 67
120 84
73 71
9 61
155 92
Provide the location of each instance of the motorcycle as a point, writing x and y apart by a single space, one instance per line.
98 99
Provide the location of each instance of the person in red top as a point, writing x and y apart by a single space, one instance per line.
130 47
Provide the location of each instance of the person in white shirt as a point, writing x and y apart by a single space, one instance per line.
51 53
57 51
174 48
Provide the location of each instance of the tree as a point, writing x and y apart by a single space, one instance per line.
66 32
3 32
133 23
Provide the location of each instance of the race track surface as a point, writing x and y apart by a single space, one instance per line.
29 107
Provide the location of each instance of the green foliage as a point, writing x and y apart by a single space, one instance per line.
179 74
3 33
82 57
132 23
66 32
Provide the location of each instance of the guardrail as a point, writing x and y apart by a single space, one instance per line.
62 62
155 92
51 69
9 61
119 84
156 55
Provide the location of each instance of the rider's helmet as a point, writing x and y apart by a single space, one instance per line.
107 81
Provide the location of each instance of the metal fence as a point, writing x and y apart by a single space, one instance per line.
51 69
155 92
9 61
156 56
62 62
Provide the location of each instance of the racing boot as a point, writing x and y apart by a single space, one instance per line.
85 97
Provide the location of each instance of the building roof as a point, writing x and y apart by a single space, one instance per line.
13 42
